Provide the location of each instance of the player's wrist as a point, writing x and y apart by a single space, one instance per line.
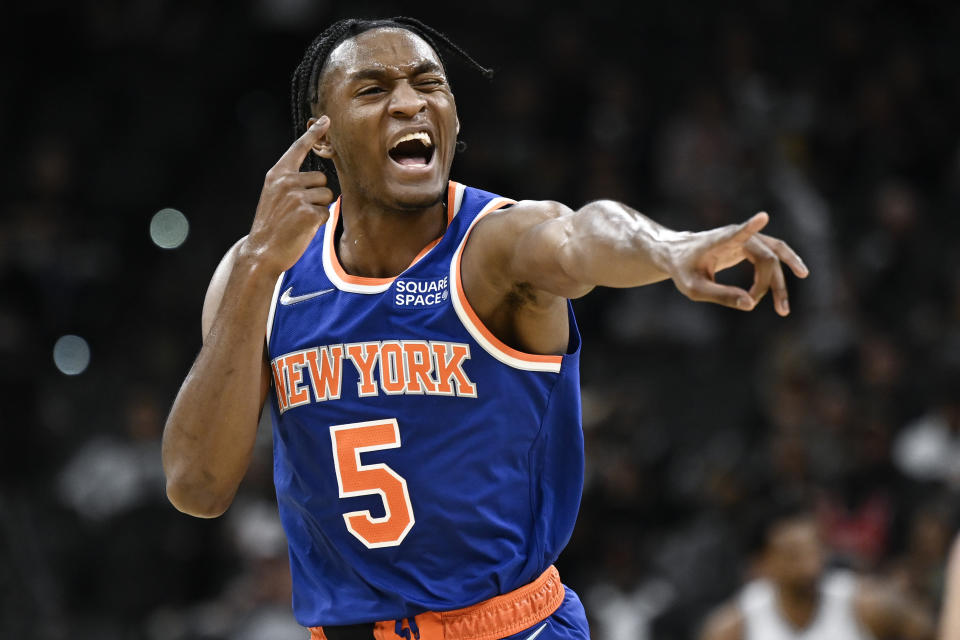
257 262
669 252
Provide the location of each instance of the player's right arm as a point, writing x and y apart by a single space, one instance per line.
209 435
726 623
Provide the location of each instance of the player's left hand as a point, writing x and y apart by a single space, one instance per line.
697 257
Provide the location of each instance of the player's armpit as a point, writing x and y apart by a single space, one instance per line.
513 280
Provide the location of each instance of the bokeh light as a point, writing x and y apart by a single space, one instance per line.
71 354
169 228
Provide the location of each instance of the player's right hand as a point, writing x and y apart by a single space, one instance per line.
293 205
700 255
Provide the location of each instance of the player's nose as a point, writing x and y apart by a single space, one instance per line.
406 102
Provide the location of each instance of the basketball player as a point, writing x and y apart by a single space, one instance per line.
797 599
420 355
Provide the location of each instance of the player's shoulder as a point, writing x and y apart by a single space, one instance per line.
724 623
515 216
499 234
499 220
844 583
755 595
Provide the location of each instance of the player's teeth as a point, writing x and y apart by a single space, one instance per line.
422 136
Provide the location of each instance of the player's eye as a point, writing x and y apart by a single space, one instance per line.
370 91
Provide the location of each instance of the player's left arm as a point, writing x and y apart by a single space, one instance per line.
887 612
566 252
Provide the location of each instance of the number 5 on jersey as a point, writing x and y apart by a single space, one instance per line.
357 479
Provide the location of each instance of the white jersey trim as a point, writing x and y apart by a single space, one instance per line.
273 305
458 197
329 231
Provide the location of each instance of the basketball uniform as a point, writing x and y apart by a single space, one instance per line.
420 464
835 618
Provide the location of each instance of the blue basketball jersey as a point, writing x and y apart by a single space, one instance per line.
420 463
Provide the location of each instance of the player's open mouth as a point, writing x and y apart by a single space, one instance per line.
413 150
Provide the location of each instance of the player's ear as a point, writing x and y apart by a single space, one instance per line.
322 147
458 126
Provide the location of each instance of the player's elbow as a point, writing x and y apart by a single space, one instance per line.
195 500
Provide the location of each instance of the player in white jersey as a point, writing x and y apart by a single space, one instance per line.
797 599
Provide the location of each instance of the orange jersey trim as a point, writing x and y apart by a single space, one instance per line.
361 280
498 617
475 319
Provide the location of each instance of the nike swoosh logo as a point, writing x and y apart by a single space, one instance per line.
286 298
537 632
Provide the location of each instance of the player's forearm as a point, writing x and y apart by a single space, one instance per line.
210 432
613 245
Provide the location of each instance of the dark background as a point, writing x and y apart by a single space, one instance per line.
840 118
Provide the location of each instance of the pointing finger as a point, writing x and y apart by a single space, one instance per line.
297 153
706 290
739 234
787 255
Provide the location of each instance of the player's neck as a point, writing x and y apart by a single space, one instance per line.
378 242
798 607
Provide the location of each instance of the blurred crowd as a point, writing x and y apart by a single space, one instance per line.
840 119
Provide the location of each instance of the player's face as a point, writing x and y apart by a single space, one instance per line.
393 119
794 556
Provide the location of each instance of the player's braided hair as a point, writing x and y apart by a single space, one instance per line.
304 90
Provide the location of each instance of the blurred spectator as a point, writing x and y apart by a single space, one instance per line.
928 448
111 475
919 570
794 595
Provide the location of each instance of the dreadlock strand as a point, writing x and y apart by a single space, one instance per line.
424 29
